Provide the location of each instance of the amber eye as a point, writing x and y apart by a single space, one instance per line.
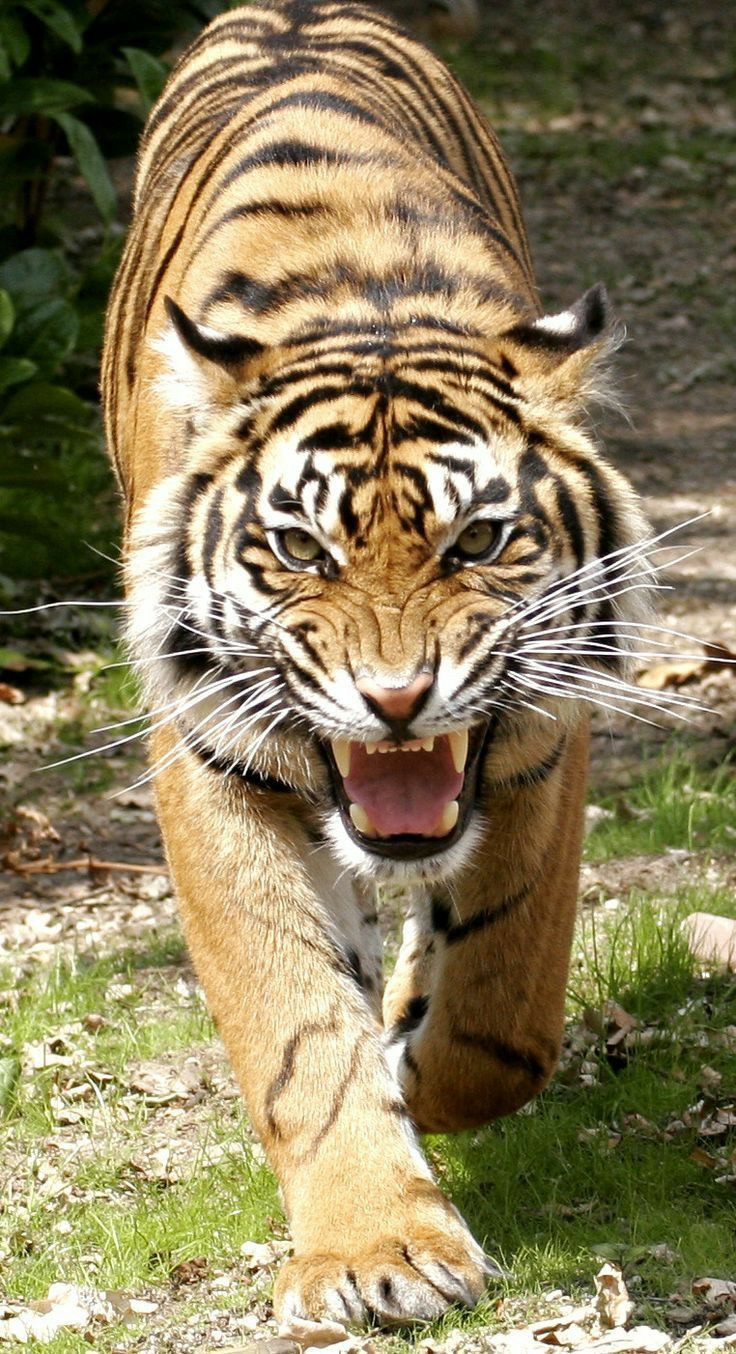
298 546
476 539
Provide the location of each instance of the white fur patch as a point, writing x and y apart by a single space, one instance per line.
183 384
564 322
383 870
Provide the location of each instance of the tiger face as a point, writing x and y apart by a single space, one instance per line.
350 573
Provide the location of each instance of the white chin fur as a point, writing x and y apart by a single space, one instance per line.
382 870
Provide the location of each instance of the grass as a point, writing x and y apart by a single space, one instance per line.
675 806
591 1170
88 1211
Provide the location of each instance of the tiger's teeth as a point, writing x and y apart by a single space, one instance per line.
341 753
448 819
361 821
459 750
427 744
371 748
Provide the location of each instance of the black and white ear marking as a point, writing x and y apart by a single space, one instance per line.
586 323
226 350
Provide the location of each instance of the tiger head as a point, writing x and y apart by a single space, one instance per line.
377 555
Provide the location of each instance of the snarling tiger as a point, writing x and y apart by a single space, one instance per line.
376 571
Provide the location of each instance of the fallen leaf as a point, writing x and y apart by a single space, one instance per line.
161 1084
189 1271
278 1344
638 1340
660 676
715 1291
260 1255
704 1158
323 1334
612 1301
11 695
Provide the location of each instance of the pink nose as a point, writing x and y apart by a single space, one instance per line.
395 702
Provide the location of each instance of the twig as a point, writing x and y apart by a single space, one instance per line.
90 863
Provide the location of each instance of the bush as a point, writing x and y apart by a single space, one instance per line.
76 82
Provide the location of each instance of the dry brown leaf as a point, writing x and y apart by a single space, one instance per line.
11 695
638 1340
277 1344
190 1271
317 1335
67 1306
261 1255
704 1158
715 1292
161 1084
660 676
612 1302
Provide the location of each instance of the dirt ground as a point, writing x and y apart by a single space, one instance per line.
657 223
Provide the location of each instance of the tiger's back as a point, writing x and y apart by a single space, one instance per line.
376 568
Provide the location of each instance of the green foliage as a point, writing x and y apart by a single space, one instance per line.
76 82
676 806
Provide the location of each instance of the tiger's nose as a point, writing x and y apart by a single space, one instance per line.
396 704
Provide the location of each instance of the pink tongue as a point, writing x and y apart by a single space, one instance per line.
403 792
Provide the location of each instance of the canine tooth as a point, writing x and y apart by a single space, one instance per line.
459 749
341 753
448 819
428 744
361 821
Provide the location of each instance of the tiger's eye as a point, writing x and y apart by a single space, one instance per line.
300 546
476 539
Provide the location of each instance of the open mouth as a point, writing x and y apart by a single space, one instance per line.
407 800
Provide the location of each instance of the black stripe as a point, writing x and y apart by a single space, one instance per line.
292 411
264 207
532 775
297 155
286 1071
431 430
323 100
522 1060
338 1099
570 520
480 921
412 1017
257 779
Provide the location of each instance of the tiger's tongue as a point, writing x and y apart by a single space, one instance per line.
403 792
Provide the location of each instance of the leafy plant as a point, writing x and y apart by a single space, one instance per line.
77 78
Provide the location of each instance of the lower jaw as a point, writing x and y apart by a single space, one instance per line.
404 848
409 847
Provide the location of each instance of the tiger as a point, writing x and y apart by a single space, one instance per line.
377 571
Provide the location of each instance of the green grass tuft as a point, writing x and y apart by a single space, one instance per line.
676 806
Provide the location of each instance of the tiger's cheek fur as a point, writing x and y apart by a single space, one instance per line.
375 569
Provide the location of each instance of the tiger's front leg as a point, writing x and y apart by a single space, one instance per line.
483 979
373 1235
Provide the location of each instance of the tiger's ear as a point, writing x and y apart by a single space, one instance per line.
226 350
568 350
202 367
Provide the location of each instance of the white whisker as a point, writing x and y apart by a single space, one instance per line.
187 743
615 684
52 606
173 709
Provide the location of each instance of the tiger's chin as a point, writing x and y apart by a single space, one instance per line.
407 809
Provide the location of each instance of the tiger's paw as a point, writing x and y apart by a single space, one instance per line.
392 1283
